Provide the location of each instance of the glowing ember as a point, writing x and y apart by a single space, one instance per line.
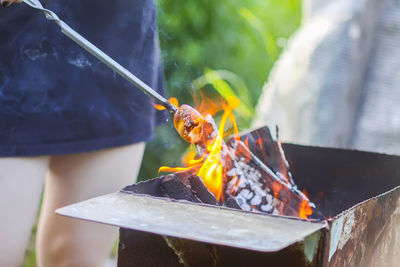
189 160
305 209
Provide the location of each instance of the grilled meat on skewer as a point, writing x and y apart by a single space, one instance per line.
189 123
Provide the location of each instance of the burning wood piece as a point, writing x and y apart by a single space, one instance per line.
201 191
256 187
230 202
269 151
174 188
179 185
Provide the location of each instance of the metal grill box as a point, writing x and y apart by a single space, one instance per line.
358 191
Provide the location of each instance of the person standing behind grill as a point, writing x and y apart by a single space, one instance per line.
66 116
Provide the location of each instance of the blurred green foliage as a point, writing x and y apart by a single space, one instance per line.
240 39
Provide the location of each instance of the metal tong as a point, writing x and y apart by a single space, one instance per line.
80 40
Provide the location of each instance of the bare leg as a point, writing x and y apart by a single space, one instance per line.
21 183
72 178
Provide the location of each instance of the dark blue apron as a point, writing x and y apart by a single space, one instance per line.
56 98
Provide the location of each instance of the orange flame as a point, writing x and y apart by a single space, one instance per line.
206 105
189 160
172 169
172 100
212 170
259 144
235 184
305 209
277 187
211 167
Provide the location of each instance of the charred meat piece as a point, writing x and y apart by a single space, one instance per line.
189 123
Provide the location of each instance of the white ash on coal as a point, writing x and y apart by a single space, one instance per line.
259 187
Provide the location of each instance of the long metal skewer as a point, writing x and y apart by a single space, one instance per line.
80 40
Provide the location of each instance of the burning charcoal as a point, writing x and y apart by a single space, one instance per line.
175 189
246 194
201 191
245 206
183 176
249 186
266 204
230 202
256 200
269 204
149 187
